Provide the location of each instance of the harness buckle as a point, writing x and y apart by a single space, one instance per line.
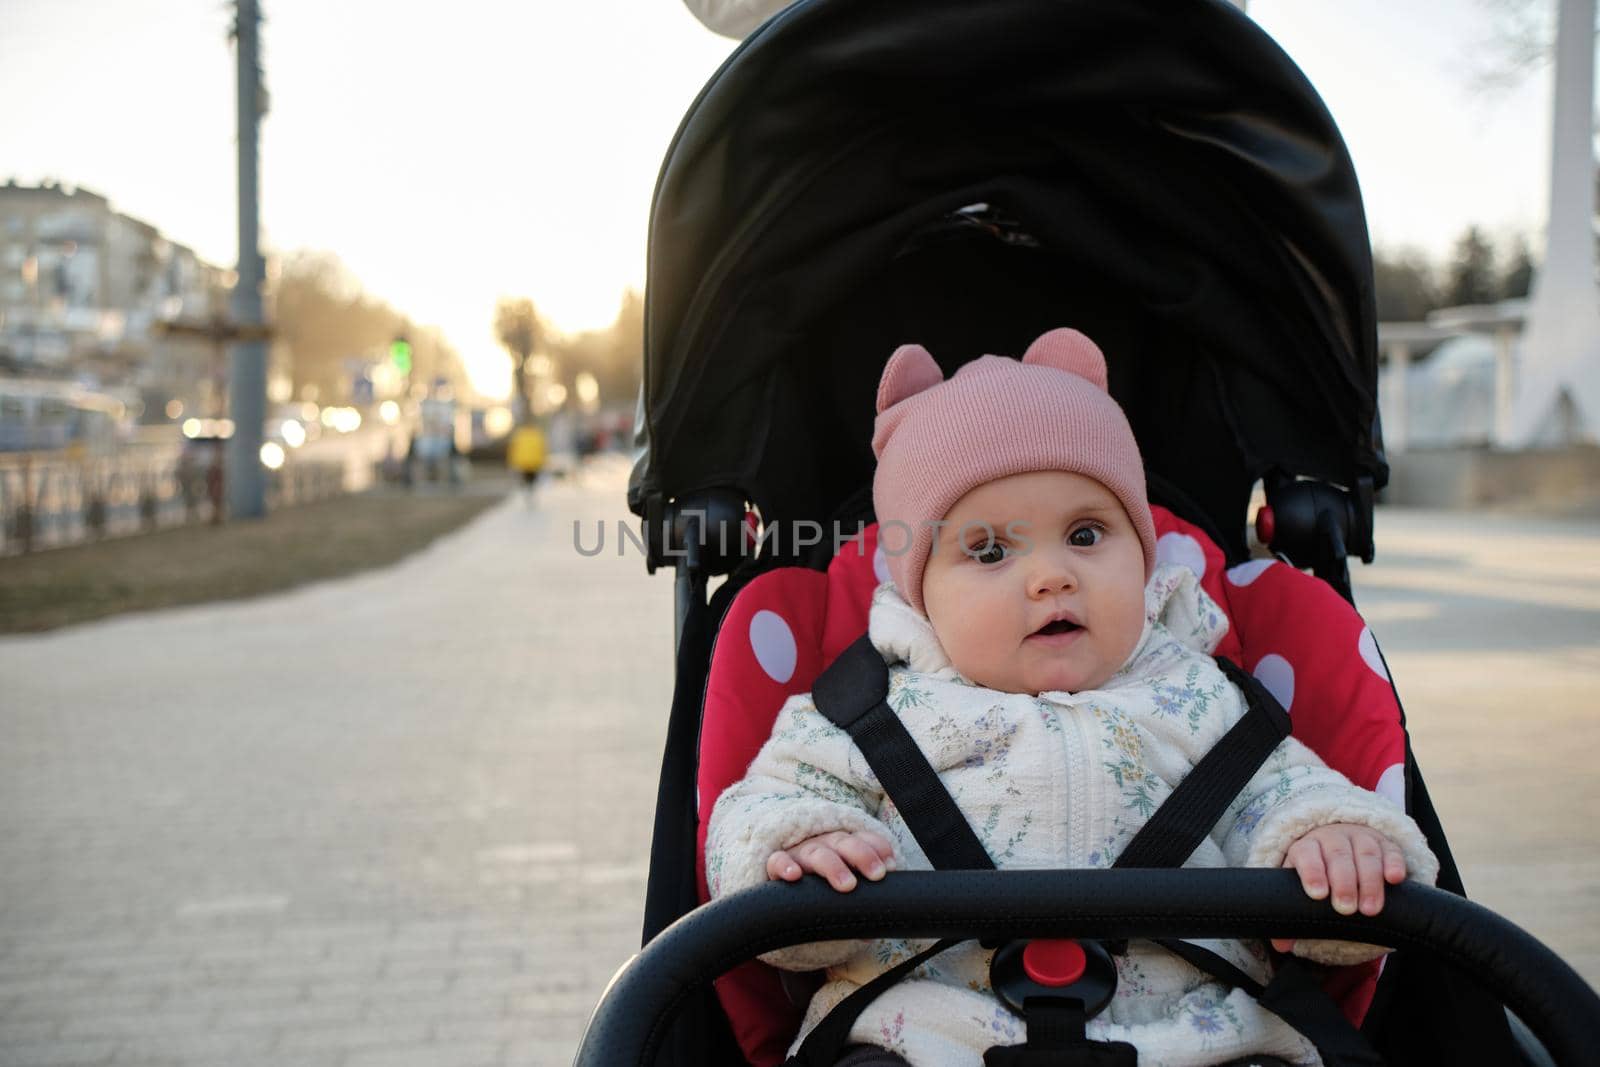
1054 969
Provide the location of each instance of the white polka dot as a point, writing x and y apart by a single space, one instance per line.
774 645
880 564
1392 785
1245 573
1367 645
1275 673
1183 549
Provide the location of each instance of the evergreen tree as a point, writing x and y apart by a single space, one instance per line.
1472 278
1518 278
1407 286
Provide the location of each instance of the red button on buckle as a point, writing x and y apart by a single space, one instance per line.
1054 963
1266 525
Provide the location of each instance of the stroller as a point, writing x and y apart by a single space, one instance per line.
1158 174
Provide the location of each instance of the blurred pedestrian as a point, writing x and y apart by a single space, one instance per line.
588 445
191 479
525 454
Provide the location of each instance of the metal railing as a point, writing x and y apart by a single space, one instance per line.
55 499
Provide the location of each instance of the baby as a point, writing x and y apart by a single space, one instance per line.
1060 682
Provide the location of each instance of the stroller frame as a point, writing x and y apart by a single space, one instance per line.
816 182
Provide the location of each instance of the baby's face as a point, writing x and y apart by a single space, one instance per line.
1055 602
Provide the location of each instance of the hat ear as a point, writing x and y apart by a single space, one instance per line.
1071 351
909 371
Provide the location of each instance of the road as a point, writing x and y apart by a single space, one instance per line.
401 820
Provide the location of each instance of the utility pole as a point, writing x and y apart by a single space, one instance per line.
217 331
247 384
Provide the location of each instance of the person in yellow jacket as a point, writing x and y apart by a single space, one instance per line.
525 454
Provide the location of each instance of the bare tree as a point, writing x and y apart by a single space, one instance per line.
326 322
518 327
1523 42
613 355
324 318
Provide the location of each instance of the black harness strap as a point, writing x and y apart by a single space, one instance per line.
1217 966
825 1043
1056 1036
1187 817
1296 996
853 694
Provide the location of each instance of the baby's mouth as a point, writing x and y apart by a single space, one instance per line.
1060 626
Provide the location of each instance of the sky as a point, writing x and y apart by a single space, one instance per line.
453 153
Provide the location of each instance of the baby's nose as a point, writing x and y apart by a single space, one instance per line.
1052 579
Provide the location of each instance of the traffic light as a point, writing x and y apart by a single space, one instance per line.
400 355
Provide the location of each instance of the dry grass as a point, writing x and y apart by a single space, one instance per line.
194 564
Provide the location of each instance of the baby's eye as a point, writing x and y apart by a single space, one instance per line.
987 551
1085 536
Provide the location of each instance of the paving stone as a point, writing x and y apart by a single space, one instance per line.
196 1046
428 1056
455 963
198 997
363 968
329 935
26 1031
397 1035
405 990
508 1028
50 985
284 1016
538 1053
57 1053
145 1024
109 1002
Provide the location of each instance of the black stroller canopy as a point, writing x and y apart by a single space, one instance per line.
1157 173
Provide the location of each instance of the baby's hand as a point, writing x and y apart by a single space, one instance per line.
1356 861
832 855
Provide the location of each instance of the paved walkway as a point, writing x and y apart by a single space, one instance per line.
401 820
1491 627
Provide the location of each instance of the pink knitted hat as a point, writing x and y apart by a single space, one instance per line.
935 439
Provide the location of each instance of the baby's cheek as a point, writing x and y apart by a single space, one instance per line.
980 648
957 639
1130 627
969 667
